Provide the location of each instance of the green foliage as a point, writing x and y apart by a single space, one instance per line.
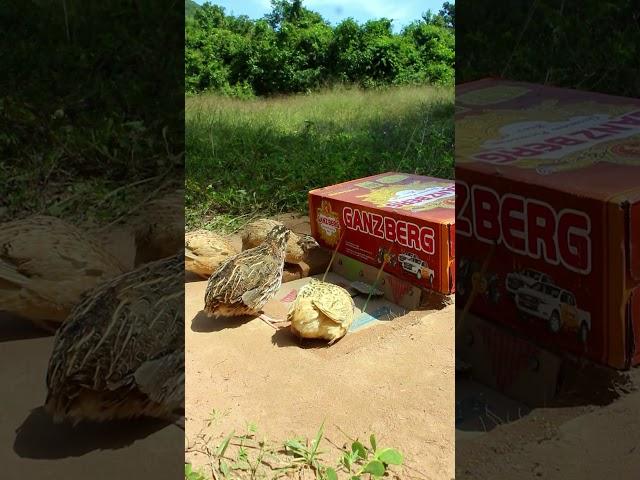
262 156
190 8
294 49
190 474
592 45
86 103
360 460
245 456
308 454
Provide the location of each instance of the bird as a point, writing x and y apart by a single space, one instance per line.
299 249
245 282
204 251
46 264
321 310
158 227
120 354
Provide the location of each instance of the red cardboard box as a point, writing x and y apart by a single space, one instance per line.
409 219
548 191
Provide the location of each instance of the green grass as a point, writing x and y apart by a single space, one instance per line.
250 456
261 156
55 189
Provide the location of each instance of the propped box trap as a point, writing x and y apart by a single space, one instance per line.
548 218
378 309
398 297
405 221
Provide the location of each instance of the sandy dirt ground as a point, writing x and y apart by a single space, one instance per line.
579 442
31 446
394 380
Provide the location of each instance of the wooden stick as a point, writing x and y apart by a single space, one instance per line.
333 257
373 287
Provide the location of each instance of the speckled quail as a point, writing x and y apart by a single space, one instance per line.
121 352
244 283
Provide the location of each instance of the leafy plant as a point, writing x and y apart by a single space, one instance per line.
190 474
308 454
242 456
361 460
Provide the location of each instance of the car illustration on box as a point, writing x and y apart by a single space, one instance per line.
525 278
555 306
411 263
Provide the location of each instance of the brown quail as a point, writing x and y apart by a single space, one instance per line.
298 245
204 251
45 266
244 283
121 352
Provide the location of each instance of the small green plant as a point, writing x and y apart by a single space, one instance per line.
190 474
308 455
361 460
243 456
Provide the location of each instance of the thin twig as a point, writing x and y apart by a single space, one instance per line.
373 287
135 207
66 20
524 29
124 187
335 252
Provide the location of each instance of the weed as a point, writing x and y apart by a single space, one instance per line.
361 460
244 457
308 455
190 474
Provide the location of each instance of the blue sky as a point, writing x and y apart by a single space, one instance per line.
401 11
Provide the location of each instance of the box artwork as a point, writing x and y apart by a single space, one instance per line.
405 221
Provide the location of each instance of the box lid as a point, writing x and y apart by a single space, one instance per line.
634 242
568 140
426 198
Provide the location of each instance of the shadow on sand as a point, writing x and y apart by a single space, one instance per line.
284 338
203 324
16 328
39 438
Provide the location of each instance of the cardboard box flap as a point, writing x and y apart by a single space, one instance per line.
634 241
426 198
634 322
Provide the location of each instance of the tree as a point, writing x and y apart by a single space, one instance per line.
293 49
448 14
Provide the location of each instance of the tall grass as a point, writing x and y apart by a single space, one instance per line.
262 156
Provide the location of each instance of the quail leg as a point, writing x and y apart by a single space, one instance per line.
270 321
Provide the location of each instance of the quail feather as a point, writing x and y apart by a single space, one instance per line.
204 251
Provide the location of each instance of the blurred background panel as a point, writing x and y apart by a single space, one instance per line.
91 210
587 45
547 345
